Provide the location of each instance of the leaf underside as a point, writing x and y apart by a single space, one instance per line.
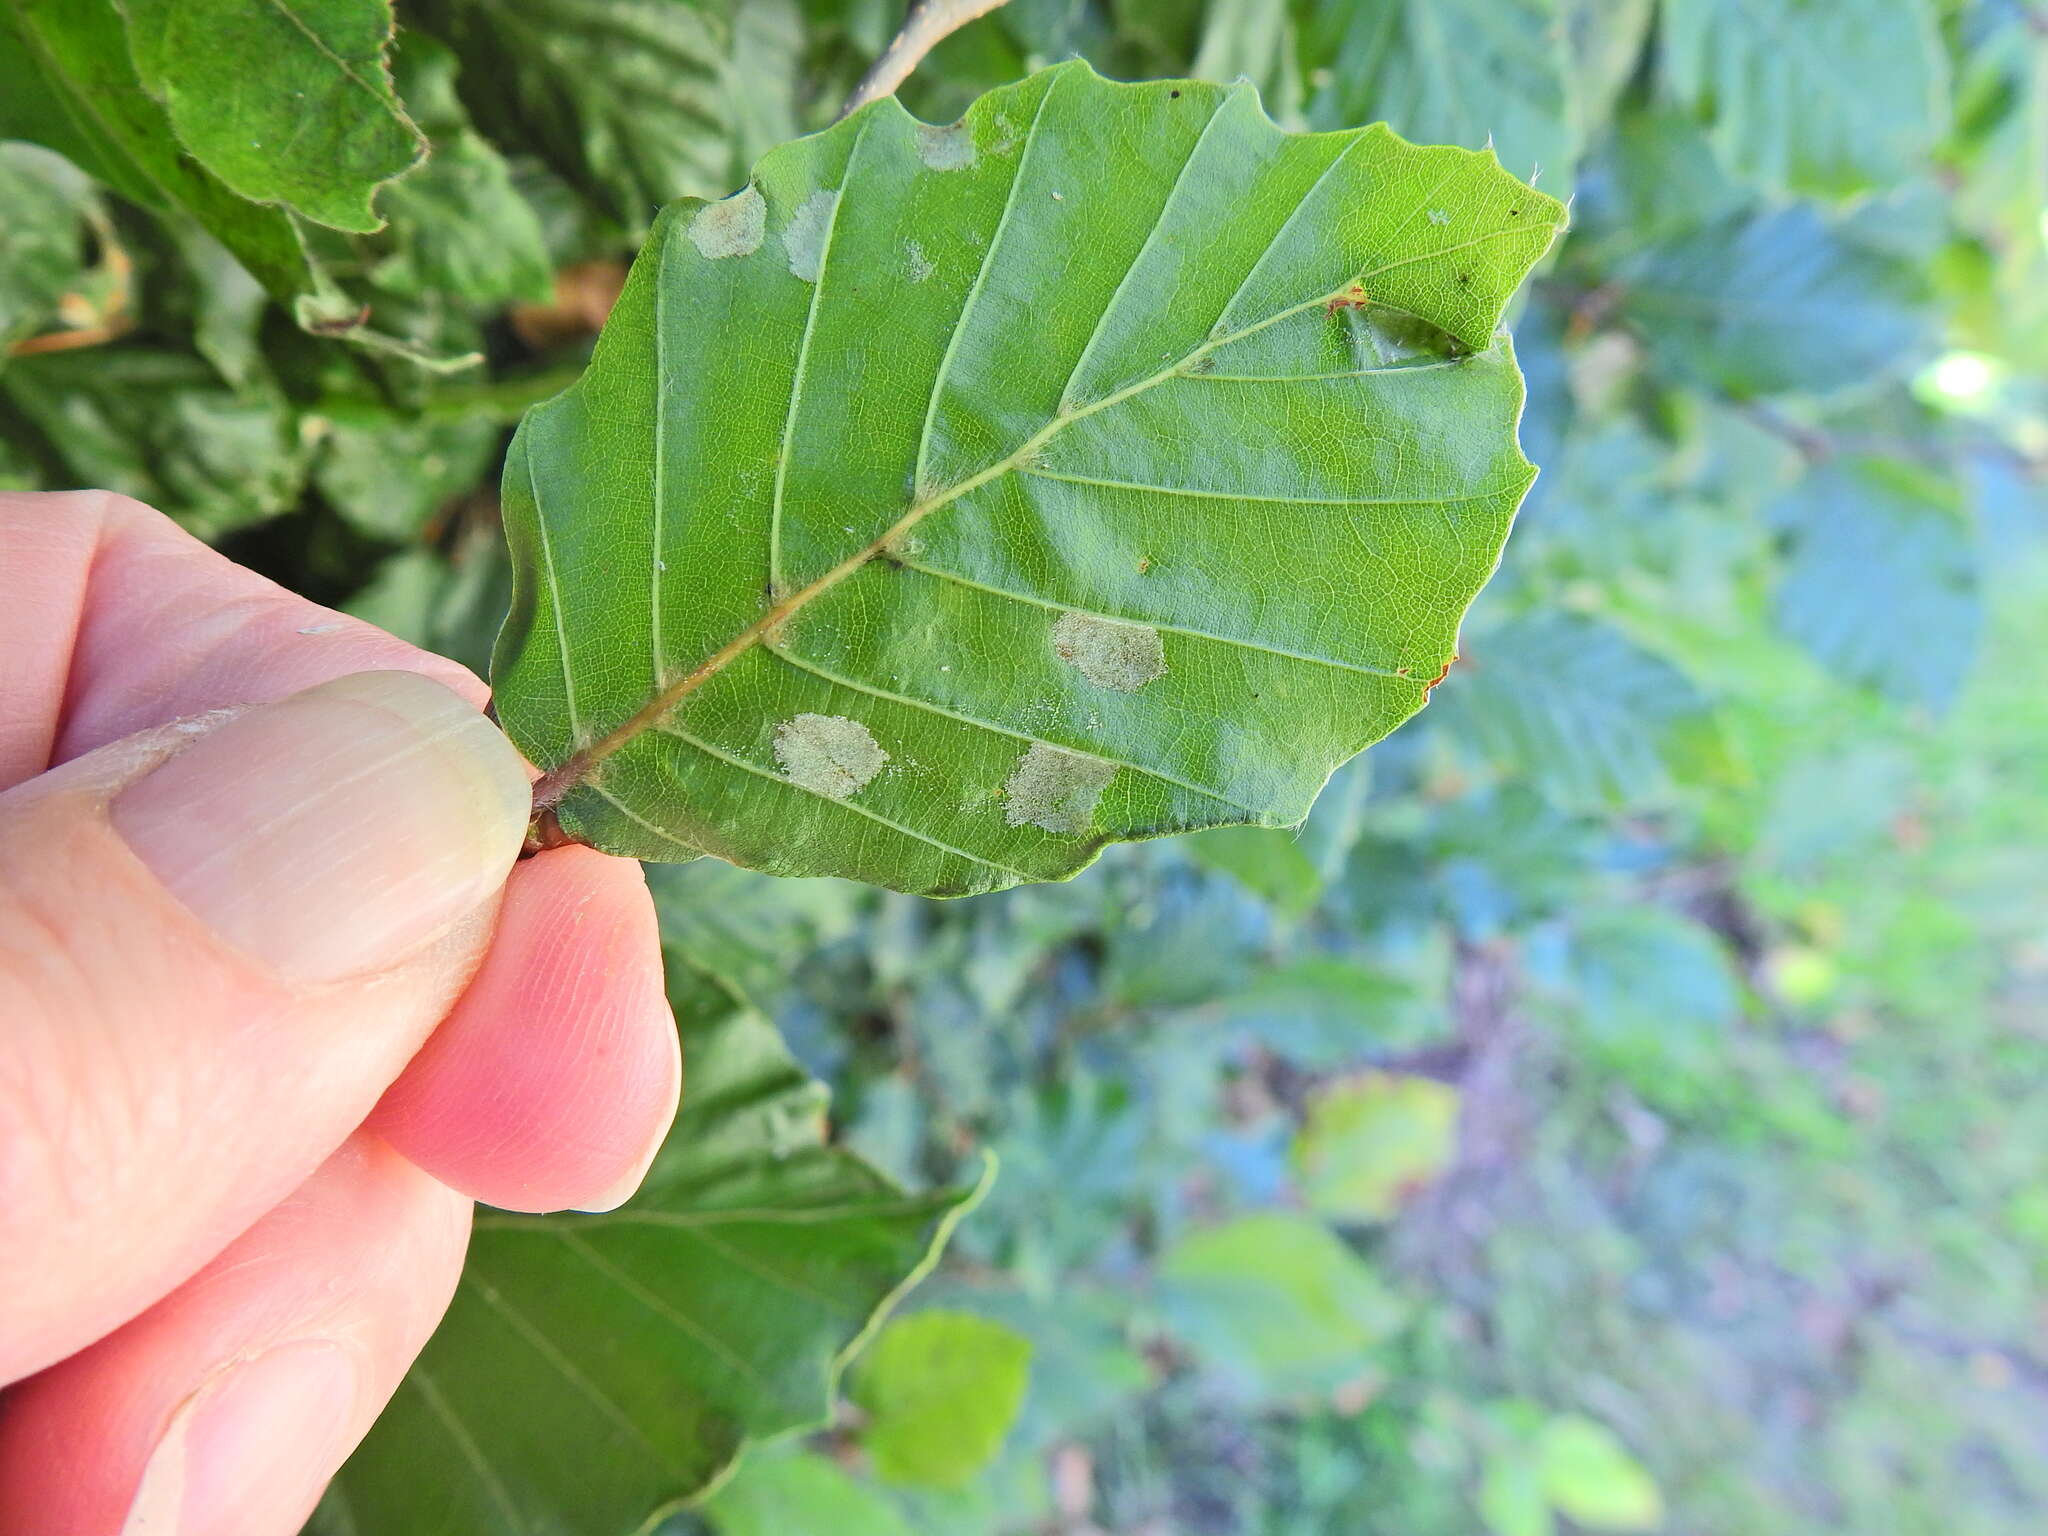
953 501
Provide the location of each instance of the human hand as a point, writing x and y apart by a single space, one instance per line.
271 1015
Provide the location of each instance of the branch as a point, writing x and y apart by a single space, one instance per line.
927 24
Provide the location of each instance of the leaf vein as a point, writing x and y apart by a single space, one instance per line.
1152 234
988 257
803 362
774 1277
1313 378
547 560
788 1215
566 1368
662 1308
1295 501
422 1379
1175 629
638 820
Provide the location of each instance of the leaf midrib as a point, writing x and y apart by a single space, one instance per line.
550 789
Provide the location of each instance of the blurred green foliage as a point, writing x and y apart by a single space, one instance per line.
1702 917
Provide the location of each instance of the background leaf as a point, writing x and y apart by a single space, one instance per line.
1591 1478
1471 72
715 1307
1369 1143
965 656
460 224
285 103
1578 707
67 81
1268 861
1780 302
1275 1303
42 247
161 426
621 98
940 1390
1829 99
1882 584
781 1494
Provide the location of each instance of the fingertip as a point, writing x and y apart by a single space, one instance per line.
554 1079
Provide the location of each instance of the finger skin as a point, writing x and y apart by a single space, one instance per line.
553 1080
363 1257
203 1108
116 619
159 1091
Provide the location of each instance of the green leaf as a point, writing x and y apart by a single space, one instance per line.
1276 1303
1254 40
1129 527
941 1390
447 604
1775 304
595 1369
1468 72
1371 1141
794 1494
1321 1012
387 473
1828 98
1588 1474
1575 705
1882 585
758 79
623 99
1656 1001
1267 861
159 426
460 226
1606 39
227 306
42 242
744 928
286 101
1511 1496
67 81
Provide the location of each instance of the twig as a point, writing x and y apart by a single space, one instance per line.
929 21
67 341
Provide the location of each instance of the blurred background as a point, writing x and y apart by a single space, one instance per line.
1620 1107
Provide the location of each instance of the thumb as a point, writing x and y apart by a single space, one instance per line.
219 942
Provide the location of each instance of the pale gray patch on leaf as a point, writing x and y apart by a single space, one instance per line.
1056 790
733 227
804 236
950 148
1109 652
829 755
920 264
